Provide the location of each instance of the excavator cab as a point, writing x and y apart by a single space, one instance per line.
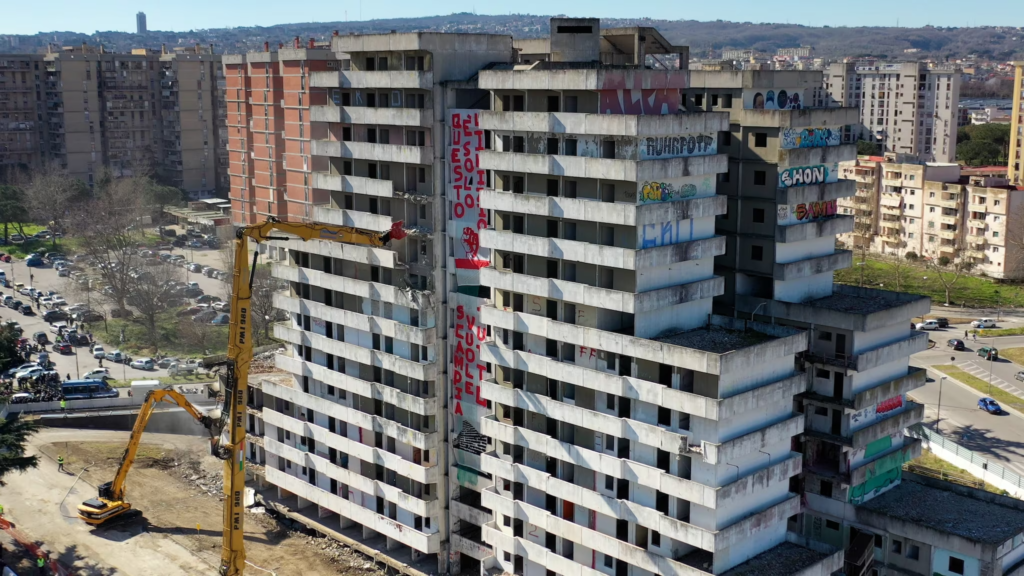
99 510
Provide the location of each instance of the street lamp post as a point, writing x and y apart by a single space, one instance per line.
991 356
938 413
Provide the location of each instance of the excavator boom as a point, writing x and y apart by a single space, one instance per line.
111 503
232 442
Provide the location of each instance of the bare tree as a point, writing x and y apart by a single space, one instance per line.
51 196
109 227
195 335
261 306
899 265
148 294
948 271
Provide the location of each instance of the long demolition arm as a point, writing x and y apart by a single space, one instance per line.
128 458
240 355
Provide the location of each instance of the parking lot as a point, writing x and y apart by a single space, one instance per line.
45 278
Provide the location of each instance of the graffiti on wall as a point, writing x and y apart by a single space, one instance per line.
871 413
465 180
815 210
676 189
774 100
643 102
665 234
809 175
792 138
663 147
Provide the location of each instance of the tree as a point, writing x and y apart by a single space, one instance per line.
51 196
148 294
978 153
983 144
12 209
900 267
261 306
14 434
10 354
195 335
867 148
948 272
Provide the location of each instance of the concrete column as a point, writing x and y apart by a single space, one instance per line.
368 532
392 543
345 522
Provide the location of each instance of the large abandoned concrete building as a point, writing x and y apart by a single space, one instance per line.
611 342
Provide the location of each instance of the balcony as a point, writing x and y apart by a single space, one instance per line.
596 211
394 363
977 208
602 168
600 255
950 220
839 224
373 116
353 218
948 234
417 80
353 184
372 151
604 124
717 453
886 461
340 316
977 224
838 260
973 254
891 423
892 224
850 308
422 541
355 448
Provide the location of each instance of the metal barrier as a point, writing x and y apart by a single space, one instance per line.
992 470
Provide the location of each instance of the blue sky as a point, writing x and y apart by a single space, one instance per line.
25 17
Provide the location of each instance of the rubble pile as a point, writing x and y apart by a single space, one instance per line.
263 363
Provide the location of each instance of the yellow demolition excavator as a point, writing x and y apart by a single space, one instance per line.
227 425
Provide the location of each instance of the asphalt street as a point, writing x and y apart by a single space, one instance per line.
45 278
998 438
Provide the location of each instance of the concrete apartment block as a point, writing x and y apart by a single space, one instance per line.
1016 167
906 107
903 206
189 101
21 126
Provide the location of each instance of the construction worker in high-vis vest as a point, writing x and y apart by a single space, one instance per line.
41 564
60 463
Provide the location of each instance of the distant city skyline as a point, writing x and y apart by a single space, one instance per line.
119 15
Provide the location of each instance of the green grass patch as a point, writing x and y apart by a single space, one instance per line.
1000 395
168 337
1015 355
200 378
1000 332
939 468
977 291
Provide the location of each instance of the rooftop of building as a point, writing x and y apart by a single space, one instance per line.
724 335
952 512
862 300
783 560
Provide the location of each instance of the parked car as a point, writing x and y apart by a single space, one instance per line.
98 352
115 356
190 311
956 344
30 373
63 348
41 338
983 323
33 261
207 299
10 373
26 290
205 316
63 273
118 313
192 292
222 306
17 238
195 267
14 304
989 405
165 362
943 322
1019 376
97 374
88 316
15 326
928 325
27 311
143 364
54 315
988 353
169 233
221 320
178 243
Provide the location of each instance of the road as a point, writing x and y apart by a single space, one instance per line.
45 278
998 438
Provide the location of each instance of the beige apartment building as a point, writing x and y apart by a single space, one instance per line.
904 206
906 107
21 126
83 108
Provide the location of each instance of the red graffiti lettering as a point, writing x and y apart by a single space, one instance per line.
889 405
815 210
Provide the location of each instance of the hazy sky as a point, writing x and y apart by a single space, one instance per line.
26 17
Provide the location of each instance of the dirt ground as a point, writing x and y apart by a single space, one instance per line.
179 495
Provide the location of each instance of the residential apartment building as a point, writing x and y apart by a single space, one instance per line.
903 206
611 343
21 112
94 108
906 107
1016 168
783 186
